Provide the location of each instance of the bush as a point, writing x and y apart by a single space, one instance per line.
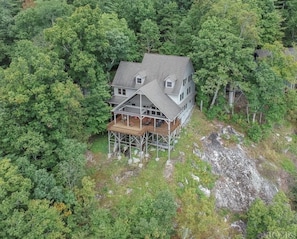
255 132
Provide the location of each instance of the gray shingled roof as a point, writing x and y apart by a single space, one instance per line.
116 99
157 67
155 94
125 74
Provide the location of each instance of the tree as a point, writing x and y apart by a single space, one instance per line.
243 18
71 169
152 218
288 11
8 10
221 59
198 218
270 21
21 217
272 221
40 220
291 105
191 24
30 22
40 106
136 12
169 18
91 44
149 36
266 95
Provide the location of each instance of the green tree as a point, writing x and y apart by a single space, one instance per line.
221 59
30 22
191 24
91 44
40 106
136 12
40 220
45 184
8 10
21 217
274 220
288 11
198 217
169 18
266 95
291 105
149 36
270 21
71 169
153 218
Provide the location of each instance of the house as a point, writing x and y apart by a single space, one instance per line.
151 101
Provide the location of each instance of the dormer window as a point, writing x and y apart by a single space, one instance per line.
169 84
170 81
139 80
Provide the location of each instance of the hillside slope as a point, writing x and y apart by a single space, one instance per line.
211 160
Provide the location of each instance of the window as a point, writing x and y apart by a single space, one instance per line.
169 84
189 90
181 97
184 82
138 80
121 91
189 78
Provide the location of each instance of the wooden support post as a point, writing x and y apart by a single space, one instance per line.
169 141
109 142
146 142
119 138
130 148
157 146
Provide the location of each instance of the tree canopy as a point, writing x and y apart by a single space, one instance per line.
57 60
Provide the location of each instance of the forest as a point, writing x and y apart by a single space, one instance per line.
57 60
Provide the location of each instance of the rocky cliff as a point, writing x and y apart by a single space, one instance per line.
239 181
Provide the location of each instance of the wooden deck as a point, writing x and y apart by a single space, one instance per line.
132 126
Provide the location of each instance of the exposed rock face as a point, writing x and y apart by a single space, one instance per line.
239 181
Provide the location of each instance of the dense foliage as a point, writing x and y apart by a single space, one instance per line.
57 59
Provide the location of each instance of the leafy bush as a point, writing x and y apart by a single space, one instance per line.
255 133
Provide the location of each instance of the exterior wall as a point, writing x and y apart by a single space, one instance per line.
187 109
186 97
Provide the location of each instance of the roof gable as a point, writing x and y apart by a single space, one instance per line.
154 93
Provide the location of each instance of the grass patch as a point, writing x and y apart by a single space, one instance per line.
288 166
99 144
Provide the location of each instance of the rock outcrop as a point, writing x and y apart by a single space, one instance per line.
239 182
